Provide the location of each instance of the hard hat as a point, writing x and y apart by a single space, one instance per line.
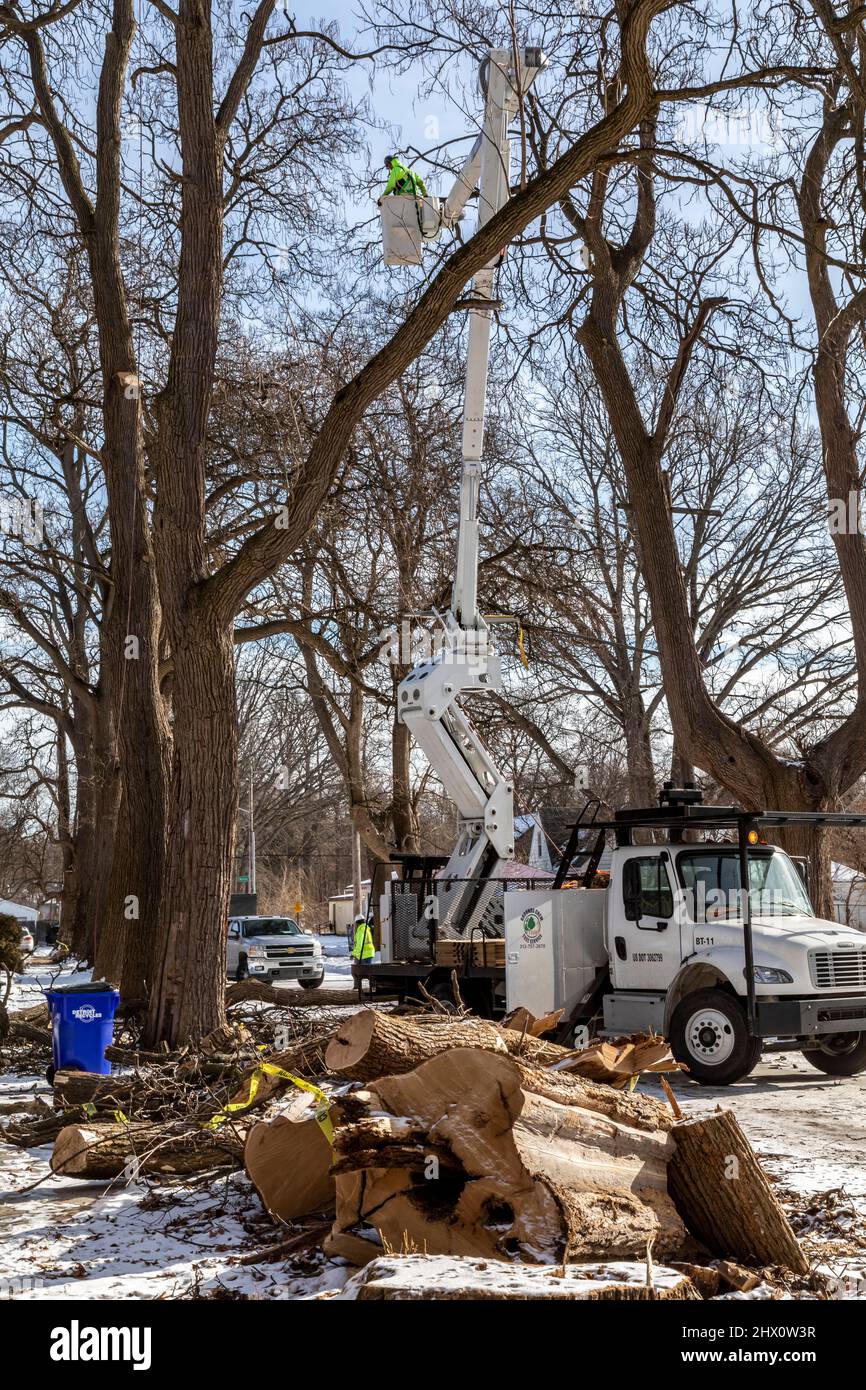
360 917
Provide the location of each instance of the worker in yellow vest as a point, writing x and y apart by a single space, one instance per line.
362 947
402 180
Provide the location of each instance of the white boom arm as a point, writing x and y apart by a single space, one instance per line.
429 697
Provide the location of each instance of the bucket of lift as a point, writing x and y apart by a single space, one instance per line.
407 223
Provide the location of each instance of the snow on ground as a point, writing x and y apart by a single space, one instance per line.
98 1240
67 1239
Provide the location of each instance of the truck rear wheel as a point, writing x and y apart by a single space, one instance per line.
710 1033
839 1054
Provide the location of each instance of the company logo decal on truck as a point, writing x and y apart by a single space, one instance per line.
531 920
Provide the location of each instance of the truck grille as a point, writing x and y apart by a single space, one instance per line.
843 969
279 952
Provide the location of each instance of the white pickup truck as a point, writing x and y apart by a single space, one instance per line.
273 948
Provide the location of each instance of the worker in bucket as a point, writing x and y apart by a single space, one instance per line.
362 947
402 181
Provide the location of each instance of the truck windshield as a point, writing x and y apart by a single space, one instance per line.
272 926
711 879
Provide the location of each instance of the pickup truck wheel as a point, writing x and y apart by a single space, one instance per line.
839 1054
709 1032
312 984
243 970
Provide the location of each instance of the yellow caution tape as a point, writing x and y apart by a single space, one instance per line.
323 1113
520 647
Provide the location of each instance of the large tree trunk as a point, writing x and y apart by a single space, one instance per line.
188 998
96 809
467 1159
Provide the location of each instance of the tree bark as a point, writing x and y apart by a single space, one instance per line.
188 996
468 1161
103 1151
724 1197
370 1044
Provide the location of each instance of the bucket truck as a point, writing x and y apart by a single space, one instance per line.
711 941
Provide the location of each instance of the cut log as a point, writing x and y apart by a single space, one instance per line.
370 1044
75 1088
289 1162
725 1198
242 990
484 1166
629 1108
414 1277
103 1151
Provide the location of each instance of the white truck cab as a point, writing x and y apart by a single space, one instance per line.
273 948
666 946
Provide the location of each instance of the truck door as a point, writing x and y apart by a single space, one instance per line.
645 942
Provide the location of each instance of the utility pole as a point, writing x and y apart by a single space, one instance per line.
252 863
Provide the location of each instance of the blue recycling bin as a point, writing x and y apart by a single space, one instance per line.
82 1025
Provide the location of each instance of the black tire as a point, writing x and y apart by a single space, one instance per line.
312 984
243 970
723 1031
839 1054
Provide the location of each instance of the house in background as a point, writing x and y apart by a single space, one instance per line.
341 907
849 896
26 916
540 839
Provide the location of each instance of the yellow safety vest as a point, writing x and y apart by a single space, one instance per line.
362 946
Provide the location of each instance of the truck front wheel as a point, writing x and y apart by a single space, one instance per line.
839 1054
710 1033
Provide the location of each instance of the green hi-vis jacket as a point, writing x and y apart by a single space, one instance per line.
362 946
405 182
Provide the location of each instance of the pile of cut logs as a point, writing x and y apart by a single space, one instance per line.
453 1137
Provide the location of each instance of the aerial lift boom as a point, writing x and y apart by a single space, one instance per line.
429 699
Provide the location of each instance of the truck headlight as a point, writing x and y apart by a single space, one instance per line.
255 952
317 948
765 975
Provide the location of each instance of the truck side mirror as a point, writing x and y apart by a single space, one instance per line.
631 894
